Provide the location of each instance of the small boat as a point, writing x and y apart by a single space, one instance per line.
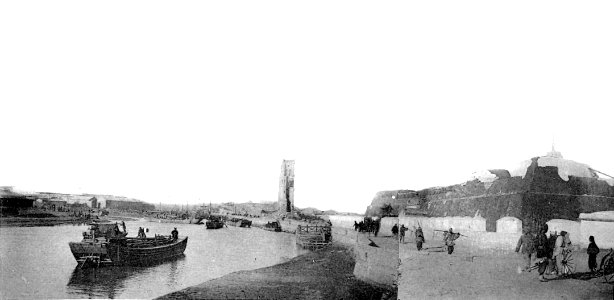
272 226
105 244
214 223
239 222
314 237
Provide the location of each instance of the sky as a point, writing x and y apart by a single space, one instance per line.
200 101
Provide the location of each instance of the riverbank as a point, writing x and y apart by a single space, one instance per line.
45 221
322 274
53 220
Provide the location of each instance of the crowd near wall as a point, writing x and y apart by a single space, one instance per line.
344 221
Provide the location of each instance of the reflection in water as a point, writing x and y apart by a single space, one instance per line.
24 274
108 282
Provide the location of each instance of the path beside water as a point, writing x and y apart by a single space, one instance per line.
322 274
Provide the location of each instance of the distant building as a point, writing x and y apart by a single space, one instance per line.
11 202
129 205
286 187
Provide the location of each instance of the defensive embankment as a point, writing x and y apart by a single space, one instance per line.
377 264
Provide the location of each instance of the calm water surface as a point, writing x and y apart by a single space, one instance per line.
35 262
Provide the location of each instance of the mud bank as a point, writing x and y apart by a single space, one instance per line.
323 274
29 222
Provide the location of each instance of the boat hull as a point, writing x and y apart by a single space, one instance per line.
214 224
126 252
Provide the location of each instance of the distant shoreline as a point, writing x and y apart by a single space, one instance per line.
52 221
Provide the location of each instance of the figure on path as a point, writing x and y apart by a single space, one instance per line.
395 230
402 233
449 239
592 251
419 238
526 244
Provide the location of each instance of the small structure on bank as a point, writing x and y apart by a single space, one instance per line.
314 236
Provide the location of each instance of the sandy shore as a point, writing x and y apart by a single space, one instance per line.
323 274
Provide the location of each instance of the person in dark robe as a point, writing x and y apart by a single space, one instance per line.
419 238
592 251
402 233
395 230
175 234
449 239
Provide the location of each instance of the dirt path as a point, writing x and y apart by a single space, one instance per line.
437 275
323 274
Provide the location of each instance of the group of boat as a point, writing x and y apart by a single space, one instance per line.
105 244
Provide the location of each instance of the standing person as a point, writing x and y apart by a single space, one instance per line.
449 239
542 253
526 243
355 226
376 225
419 238
175 234
402 233
395 230
592 251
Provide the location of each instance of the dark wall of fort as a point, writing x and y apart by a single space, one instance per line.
540 196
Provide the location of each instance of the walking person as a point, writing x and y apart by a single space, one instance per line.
402 233
449 239
526 244
419 238
592 251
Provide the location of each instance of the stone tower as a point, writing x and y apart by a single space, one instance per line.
286 187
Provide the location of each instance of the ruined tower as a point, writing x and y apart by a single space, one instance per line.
286 187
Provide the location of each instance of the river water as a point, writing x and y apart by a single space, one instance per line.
36 262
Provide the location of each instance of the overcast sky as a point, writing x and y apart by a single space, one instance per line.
198 101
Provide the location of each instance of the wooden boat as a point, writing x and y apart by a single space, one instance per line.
239 222
105 244
314 236
214 223
272 226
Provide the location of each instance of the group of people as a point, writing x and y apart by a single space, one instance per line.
449 237
141 233
551 251
368 225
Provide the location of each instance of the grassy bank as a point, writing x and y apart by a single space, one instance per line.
322 274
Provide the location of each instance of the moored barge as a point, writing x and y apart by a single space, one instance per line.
106 245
